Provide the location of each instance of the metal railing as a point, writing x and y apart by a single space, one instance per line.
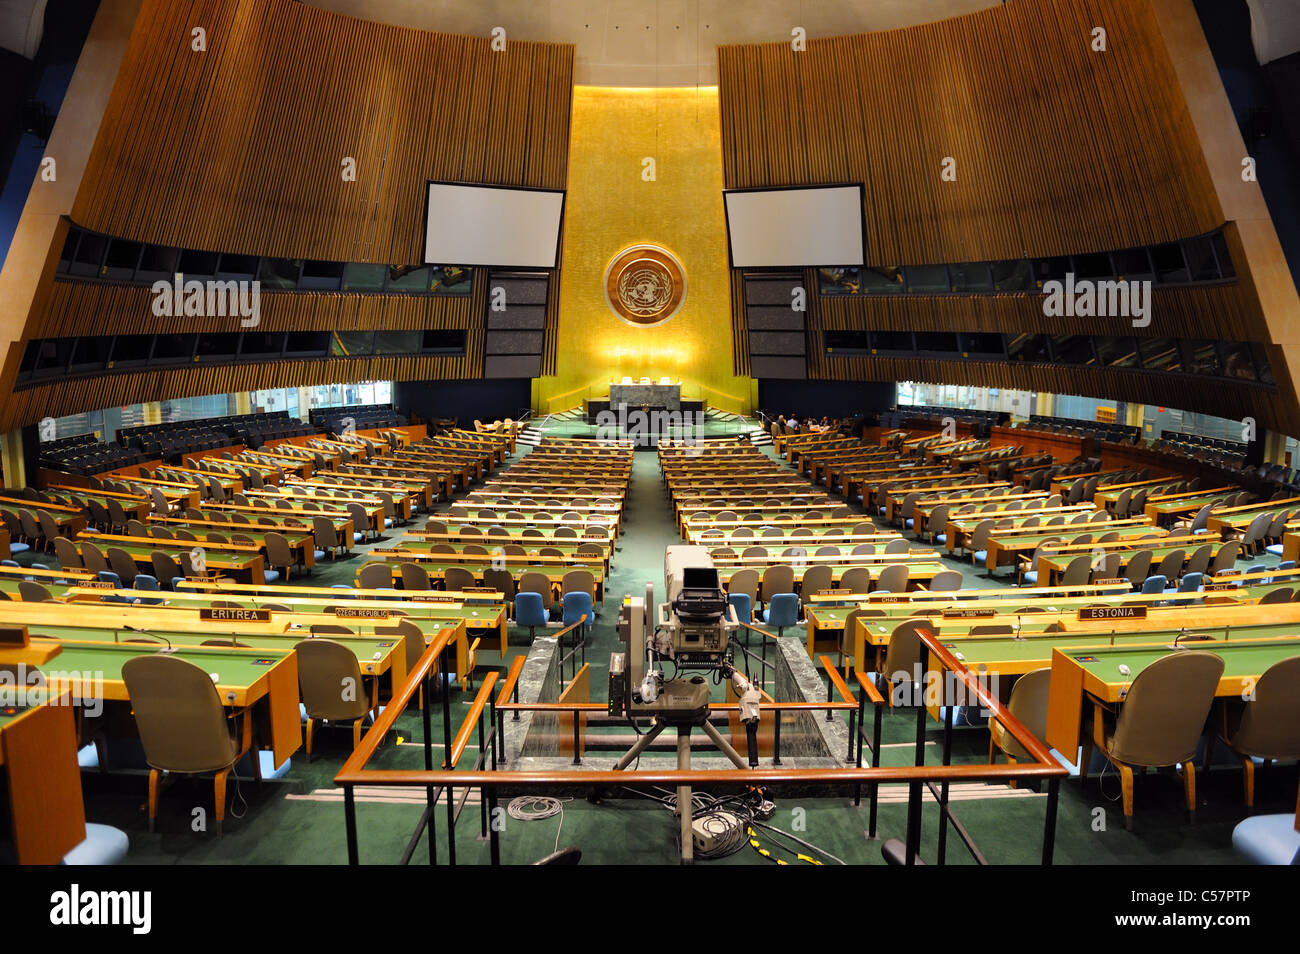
491 781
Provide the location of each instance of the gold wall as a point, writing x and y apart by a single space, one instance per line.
609 207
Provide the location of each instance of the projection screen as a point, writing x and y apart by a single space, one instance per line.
776 228
487 225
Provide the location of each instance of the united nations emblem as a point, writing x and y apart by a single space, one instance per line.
645 285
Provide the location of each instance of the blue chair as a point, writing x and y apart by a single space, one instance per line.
148 583
577 604
1268 839
39 566
1190 583
530 611
1154 584
103 845
782 611
742 602
10 562
108 576
16 547
1286 565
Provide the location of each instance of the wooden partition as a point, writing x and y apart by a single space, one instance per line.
1063 447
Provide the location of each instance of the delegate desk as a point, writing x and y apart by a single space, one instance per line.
437 565
478 611
38 755
1006 547
1080 673
245 678
226 558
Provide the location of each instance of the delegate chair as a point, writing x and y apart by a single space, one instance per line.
815 579
745 581
324 666
376 576
1028 703
1267 727
454 578
1160 723
893 579
414 577
182 724
945 581
530 611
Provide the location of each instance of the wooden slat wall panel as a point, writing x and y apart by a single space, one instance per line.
126 309
1059 149
240 148
1223 312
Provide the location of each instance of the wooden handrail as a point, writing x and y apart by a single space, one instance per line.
996 710
868 686
471 719
833 673
365 750
508 685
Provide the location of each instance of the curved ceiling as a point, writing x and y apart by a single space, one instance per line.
653 42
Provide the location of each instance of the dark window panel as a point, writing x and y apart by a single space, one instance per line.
1202 357
217 347
970 277
1220 245
891 340
1263 369
408 279
131 350
1094 266
307 343
88 354
53 355
1116 352
1169 264
279 274
1235 360
157 263
926 278
1133 265
121 259
1016 275
1161 354
262 344
845 341
1200 259
350 344
69 249
321 276
450 280
987 344
198 264
397 342
90 253
936 342
1050 269
359 276
173 349
1028 348
444 341
237 267
1072 349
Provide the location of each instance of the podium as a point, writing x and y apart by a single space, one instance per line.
644 394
